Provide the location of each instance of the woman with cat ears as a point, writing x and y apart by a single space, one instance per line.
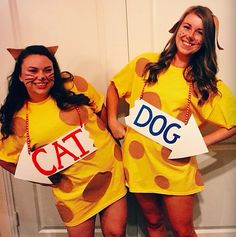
42 105
181 81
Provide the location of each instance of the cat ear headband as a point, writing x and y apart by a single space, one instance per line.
16 52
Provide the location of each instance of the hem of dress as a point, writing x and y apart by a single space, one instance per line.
96 211
166 193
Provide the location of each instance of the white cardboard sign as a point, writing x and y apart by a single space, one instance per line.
54 157
183 140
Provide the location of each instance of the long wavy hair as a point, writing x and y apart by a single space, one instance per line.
202 66
17 93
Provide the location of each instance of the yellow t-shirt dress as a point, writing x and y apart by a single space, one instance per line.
91 184
146 163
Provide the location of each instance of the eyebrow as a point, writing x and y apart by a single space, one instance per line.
33 67
191 25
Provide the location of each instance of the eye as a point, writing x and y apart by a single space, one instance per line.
186 27
32 70
200 32
48 70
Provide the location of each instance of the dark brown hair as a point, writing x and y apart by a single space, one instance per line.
202 66
17 93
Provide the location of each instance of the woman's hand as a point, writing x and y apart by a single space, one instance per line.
55 179
117 128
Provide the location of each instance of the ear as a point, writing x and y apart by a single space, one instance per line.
14 52
52 49
216 23
174 27
20 78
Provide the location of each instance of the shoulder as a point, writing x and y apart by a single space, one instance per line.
21 113
78 84
147 56
81 83
139 63
224 88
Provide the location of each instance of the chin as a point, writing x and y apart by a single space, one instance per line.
188 52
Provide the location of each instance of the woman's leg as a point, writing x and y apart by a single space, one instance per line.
113 219
85 229
180 213
151 208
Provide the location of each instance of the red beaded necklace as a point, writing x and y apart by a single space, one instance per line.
187 114
27 129
27 125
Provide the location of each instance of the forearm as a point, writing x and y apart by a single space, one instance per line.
117 128
112 101
219 135
10 167
103 114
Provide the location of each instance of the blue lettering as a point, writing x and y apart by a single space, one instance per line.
139 114
176 136
163 118
157 125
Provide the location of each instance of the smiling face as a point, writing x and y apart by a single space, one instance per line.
189 37
37 74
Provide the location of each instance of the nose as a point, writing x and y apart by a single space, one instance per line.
191 34
41 75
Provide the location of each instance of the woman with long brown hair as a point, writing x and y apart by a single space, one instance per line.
181 81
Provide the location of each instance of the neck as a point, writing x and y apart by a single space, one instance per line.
180 60
36 99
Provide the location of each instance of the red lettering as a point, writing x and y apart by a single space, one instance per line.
73 136
64 151
36 164
60 152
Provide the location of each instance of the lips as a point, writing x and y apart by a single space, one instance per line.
40 85
186 43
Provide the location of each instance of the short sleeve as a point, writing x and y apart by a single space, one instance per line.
11 147
123 80
224 107
81 85
127 78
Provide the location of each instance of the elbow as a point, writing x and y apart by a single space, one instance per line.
10 167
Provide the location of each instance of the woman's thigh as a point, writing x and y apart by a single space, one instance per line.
85 229
179 210
151 206
113 218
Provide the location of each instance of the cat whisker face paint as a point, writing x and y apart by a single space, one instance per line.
37 74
